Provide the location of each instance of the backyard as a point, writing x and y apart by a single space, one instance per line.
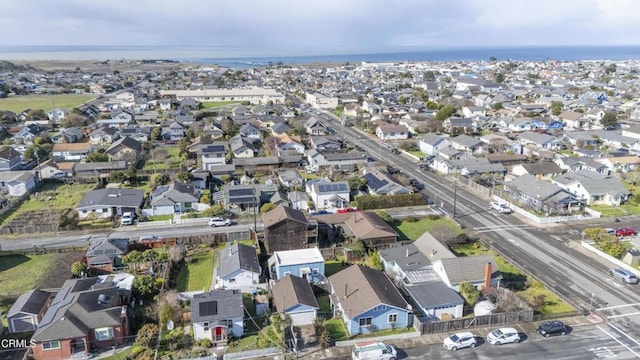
19 103
552 304
411 230
197 271
215 104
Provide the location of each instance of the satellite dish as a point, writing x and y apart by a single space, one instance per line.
170 325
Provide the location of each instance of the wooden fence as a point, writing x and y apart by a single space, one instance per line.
478 321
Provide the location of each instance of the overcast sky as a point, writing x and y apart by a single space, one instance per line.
362 24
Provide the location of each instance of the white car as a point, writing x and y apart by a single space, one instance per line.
459 341
503 336
501 207
127 218
218 221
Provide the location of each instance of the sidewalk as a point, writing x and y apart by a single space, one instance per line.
437 339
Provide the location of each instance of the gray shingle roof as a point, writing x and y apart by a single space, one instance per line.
434 294
113 197
407 257
216 305
238 256
469 268
292 290
30 302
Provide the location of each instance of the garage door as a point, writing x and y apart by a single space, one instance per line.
22 324
303 318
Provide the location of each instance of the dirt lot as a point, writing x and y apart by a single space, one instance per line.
101 66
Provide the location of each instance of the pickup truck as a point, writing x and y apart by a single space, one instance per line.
501 207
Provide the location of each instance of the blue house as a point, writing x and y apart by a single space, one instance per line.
367 301
305 263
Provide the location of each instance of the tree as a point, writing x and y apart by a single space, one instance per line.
78 268
146 286
73 120
556 107
610 118
374 261
155 133
445 112
497 106
266 207
185 176
183 144
499 77
147 335
469 293
98 156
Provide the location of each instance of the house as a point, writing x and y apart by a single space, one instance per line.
27 311
105 255
367 300
322 143
574 120
177 197
473 269
305 263
540 195
436 300
46 170
315 126
287 144
125 148
241 198
370 228
172 131
594 188
286 229
71 152
26 134
461 124
104 135
239 268
213 155
84 314
467 144
431 143
250 131
540 140
68 135
330 194
140 134
621 163
17 183
242 147
94 171
545 170
392 132
109 202
380 183
217 315
57 115
10 160
346 161
294 296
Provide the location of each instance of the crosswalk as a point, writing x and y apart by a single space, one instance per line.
497 228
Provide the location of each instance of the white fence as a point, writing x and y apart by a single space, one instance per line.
253 354
552 219
406 335
587 245
149 224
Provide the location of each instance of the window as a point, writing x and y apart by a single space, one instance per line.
366 321
230 323
205 325
105 210
51 345
103 334
287 273
315 272
232 280
393 318
380 308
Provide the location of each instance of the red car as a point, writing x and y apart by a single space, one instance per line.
345 210
625 231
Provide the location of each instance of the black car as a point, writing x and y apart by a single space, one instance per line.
552 328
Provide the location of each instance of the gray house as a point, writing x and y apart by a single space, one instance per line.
217 315
10 160
239 268
106 203
177 197
25 314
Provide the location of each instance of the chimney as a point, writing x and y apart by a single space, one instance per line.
433 252
487 276
407 251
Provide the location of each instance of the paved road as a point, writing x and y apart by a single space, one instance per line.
555 259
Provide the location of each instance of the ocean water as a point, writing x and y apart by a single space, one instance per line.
250 56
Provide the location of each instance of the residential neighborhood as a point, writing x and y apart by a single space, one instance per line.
293 220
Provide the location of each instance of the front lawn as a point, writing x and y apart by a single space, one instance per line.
412 230
324 303
21 273
337 330
196 273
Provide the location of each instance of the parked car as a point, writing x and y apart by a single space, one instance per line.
549 328
219 221
459 341
610 231
395 151
503 336
626 231
127 218
624 275
345 210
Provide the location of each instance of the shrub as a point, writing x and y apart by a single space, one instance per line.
205 343
433 217
147 335
411 219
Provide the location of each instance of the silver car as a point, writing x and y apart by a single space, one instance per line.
624 275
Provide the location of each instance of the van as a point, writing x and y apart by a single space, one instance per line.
624 275
127 218
373 350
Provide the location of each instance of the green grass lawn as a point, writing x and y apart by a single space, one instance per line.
324 303
419 154
552 305
245 343
622 210
160 217
331 267
337 330
121 355
45 102
412 230
19 273
196 274
214 104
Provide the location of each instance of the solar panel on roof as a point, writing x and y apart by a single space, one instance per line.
240 192
208 308
242 200
374 182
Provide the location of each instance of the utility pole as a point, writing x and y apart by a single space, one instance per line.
455 196
255 214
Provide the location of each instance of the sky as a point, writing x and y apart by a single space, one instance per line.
320 24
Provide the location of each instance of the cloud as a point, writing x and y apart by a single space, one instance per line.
317 25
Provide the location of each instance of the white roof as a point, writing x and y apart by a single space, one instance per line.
299 256
123 281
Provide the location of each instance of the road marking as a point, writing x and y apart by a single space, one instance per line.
617 307
499 229
625 334
623 315
618 341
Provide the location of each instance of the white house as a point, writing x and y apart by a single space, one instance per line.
216 315
213 155
239 268
330 194
17 183
432 143
392 132
176 197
